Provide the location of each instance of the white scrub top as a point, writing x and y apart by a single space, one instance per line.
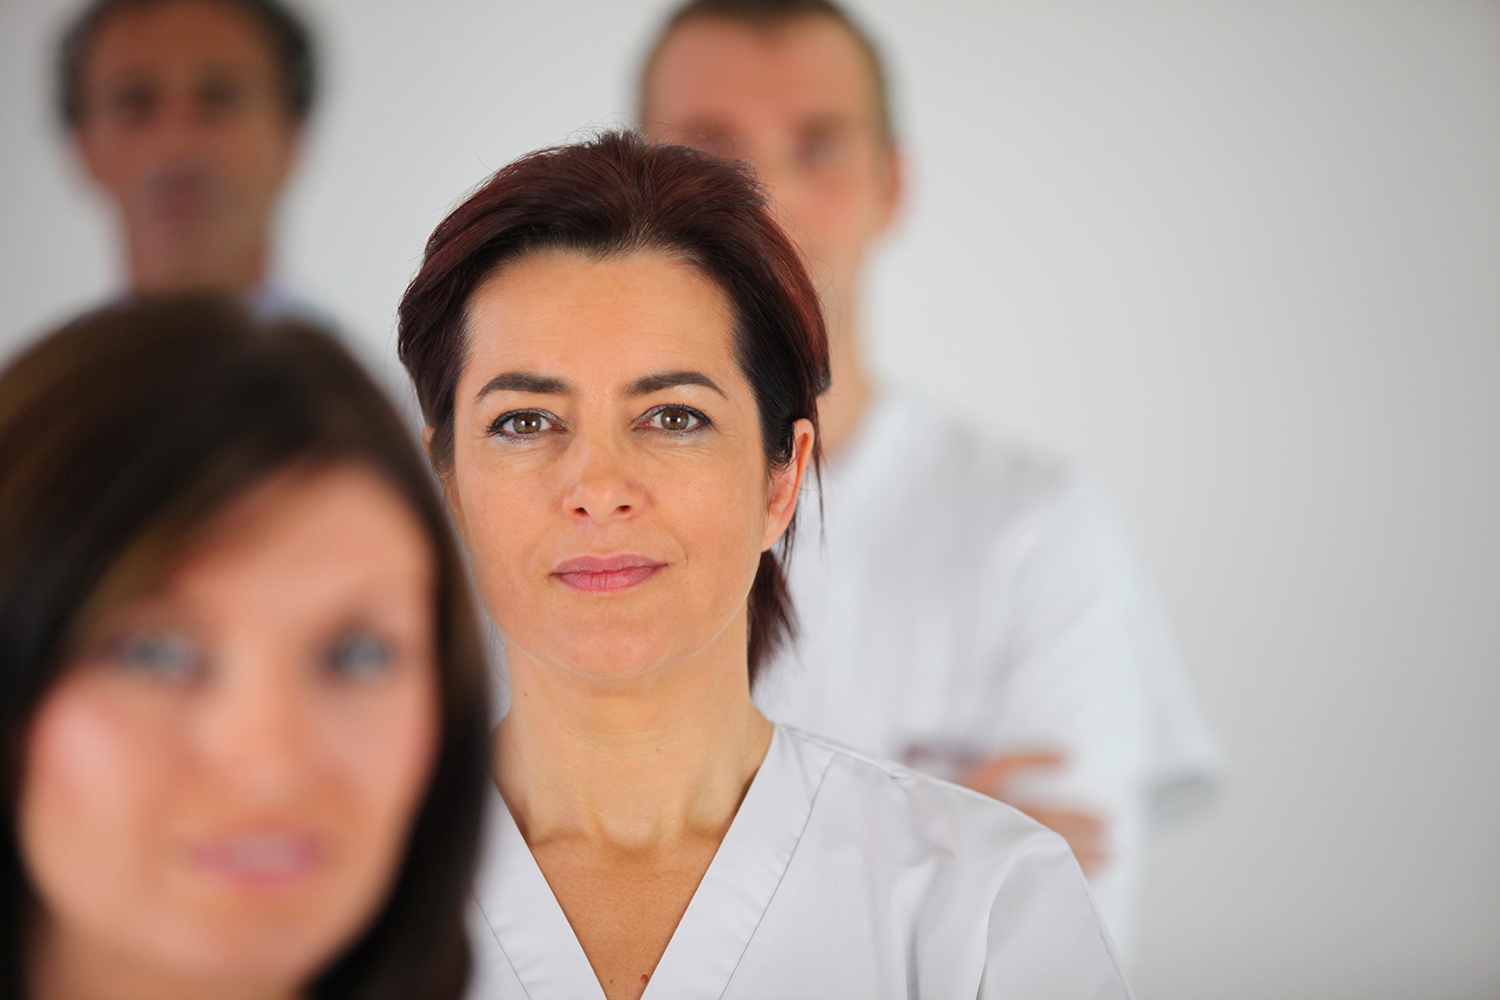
840 876
961 597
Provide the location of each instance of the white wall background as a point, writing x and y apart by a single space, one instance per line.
1242 257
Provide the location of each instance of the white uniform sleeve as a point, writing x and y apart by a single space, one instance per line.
1082 660
1046 940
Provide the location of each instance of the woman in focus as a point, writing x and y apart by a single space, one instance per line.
243 701
619 355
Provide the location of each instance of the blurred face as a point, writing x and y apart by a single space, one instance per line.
608 474
799 102
185 123
218 789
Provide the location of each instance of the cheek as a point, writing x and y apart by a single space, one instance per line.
258 153
508 514
94 793
720 513
845 212
121 164
385 750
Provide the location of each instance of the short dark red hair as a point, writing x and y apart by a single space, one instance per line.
620 194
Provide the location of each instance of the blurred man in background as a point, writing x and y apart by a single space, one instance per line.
993 628
189 115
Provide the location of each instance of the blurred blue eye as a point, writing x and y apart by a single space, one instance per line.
166 657
360 656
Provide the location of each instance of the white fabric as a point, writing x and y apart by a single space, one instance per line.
961 597
271 302
841 876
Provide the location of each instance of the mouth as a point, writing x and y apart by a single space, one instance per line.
179 195
610 575
268 860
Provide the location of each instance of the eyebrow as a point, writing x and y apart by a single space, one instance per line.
547 385
830 120
670 380
544 385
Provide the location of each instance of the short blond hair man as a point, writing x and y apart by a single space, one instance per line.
991 626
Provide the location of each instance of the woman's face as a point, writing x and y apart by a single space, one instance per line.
218 788
608 475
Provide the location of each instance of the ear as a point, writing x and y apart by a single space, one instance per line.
291 153
786 484
893 192
87 145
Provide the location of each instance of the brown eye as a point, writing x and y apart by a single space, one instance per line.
134 104
527 423
820 150
676 419
219 98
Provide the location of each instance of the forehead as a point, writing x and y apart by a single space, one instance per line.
179 33
309 529
606 320
726 69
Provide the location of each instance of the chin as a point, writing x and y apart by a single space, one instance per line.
617 660
617 638
604 653
242 956
288 940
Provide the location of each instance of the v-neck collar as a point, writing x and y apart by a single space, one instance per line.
720 920
526 919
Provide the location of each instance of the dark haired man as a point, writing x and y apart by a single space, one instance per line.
189 116
976 611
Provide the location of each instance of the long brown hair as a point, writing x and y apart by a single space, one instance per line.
121 434
619 194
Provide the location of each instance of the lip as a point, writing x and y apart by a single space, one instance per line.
260 859
607 575
179 194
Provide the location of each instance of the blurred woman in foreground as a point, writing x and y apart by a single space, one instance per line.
243 702
619 357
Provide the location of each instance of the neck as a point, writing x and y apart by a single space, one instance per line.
843 406
64 966
635 763
163 263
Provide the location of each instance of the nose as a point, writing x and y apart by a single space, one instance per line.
601 488
177 129
175 119
257 731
